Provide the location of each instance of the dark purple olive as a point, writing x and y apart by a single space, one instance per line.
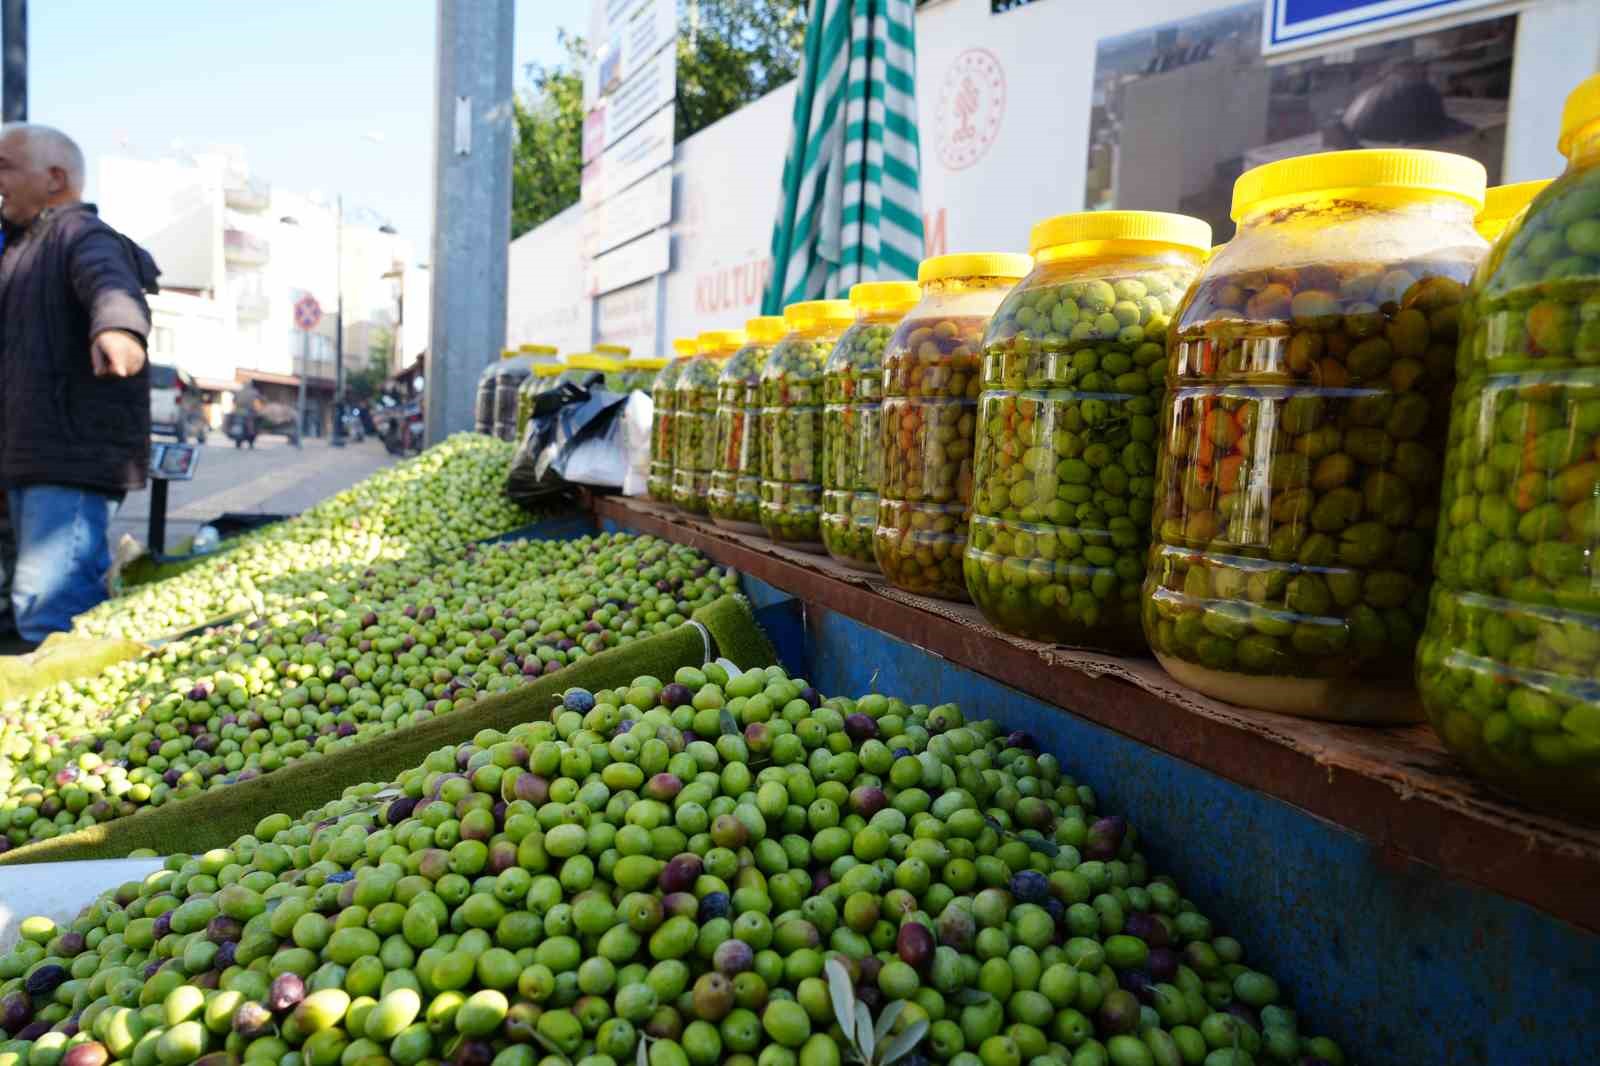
222 928
1030 886
914 944
675 695
860 727
225 954
578 700
870 967
473 1053
867 801
70 943
1146 927
956 928
1105 837
33 1031
399 810
1139 982
680 873
287 990
1022 739
714 905
44 980
811 696
676 904
733 957
15 1011
663 787
1163 963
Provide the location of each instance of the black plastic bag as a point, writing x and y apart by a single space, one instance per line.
562 419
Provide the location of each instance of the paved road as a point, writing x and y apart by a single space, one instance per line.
274 478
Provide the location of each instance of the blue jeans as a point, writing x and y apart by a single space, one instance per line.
62 556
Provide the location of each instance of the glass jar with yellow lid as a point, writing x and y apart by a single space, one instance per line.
1502 203
515 367
1302 436
585 369
791 422
1074 368
1509 663
852 420
639 371
695 435
735 497
542 378
931 382
617 378
664 401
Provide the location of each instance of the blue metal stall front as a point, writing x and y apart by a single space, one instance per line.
1400 963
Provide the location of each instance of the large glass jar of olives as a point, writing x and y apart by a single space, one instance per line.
483 399
695 435
791 422
852 420
735 497
1074 368
1302 435
664 401
542 378
1503 203
931 383
1509 663
514 368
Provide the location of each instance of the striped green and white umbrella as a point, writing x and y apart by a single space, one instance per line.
850 209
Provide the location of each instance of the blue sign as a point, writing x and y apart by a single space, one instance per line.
1297 24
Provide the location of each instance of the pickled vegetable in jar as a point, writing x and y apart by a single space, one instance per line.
1509 663
664 401
542 378
695 435
735 497
1503 203
931 383
1074 368
639 371
852 420
791 422
515 367
483 399
1302 435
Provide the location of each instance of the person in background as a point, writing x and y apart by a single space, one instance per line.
74 382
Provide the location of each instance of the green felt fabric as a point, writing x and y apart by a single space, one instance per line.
219 817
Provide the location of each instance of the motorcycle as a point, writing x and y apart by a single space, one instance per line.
403 430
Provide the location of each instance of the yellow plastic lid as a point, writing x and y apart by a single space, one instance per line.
1582 109
1501 203
644 362
684 347
810 314
884 297
538 349
722 343
1163 226
765 330
509 353
1399 169
592 361
975 265
613 349
547 370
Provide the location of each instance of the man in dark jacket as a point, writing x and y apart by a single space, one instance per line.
74 385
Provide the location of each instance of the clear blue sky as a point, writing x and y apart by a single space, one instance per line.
328 95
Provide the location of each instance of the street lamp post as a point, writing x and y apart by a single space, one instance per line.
338 336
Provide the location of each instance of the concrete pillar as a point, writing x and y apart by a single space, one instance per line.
472 205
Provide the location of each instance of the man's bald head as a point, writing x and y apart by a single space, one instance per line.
40 167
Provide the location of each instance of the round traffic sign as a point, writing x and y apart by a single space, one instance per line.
307 312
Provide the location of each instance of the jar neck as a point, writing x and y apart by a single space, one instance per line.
882 315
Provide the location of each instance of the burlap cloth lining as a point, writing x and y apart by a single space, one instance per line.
1407 759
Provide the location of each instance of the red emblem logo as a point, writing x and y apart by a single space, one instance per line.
972 101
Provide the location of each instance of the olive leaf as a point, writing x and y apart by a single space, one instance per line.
1040 843
886 1020
643 1058
865 1039
843 995
970 997
729 725
903 1044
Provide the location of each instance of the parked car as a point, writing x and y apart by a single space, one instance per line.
175 402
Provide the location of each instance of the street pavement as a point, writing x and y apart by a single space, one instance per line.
273 478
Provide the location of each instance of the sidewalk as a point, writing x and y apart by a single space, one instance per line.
274 478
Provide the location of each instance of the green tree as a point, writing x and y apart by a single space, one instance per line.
730 53
547 160
366 382
733 52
